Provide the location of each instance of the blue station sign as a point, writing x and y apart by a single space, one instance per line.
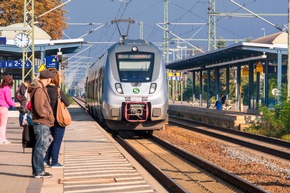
14 64
51 62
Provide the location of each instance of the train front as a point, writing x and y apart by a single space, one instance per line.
136 87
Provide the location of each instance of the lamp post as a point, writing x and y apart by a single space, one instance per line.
264 30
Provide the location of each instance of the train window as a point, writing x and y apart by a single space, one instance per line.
135 67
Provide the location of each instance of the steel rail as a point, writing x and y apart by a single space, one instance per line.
282 154
217 171
170 184
160 176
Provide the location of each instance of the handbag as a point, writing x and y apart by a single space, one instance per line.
62 114
28 137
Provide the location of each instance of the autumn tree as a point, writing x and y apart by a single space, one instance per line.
53 22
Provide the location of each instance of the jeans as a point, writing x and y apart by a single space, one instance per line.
42 133
52 153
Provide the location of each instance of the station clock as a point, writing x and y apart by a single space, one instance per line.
21 40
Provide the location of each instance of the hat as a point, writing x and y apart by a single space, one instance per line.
45 74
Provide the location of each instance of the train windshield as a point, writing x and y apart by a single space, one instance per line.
135 67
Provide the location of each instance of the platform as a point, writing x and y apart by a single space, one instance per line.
93 160
231 119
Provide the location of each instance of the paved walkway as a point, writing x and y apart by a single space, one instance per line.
83 140
15 165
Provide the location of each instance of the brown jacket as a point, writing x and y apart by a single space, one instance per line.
41 110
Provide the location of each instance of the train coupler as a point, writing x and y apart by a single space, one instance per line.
136 111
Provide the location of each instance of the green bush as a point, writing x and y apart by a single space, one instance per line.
286 137
274 123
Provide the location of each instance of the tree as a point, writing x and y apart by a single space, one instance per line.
53 23
221 43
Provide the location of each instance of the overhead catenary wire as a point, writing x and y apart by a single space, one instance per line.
258 16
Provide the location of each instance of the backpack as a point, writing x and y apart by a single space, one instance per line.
18 96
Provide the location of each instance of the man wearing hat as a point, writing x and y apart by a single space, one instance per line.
43 119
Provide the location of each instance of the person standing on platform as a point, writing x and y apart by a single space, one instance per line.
43 119
57 131
5 102
223 97
218 104
23 100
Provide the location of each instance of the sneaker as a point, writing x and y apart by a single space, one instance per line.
43 175
5 142
57 166
46 164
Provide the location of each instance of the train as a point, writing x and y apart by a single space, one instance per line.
126 88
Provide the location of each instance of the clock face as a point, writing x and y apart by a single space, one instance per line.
21 40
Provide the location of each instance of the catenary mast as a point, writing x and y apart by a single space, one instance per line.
166 32
211 26
29 24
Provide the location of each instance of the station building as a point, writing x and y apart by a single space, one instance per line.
45 50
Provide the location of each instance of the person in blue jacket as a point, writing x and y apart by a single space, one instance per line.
219 104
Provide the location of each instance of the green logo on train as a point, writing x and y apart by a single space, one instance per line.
136 90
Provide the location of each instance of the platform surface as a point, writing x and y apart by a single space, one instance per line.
85 152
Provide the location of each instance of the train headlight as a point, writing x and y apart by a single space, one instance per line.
118 87
153 87
134 49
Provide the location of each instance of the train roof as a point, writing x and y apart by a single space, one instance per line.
133 42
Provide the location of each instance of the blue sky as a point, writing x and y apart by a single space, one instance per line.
180 11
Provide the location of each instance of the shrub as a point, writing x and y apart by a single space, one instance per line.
274 123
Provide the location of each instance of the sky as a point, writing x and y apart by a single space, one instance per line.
188 20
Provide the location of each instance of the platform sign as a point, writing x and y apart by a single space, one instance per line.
3 64
51 62
3 40
41 67
14 64
17 76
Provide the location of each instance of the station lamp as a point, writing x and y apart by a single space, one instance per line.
259 67
246 71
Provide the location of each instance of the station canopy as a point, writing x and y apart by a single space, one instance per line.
237 54
42 42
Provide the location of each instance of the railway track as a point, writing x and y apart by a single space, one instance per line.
190 172
178 170
271 146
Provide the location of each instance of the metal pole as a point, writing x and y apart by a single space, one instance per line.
288 65
239 87
193 87
208 88
279 76
28 22
200 87
166 34
227 82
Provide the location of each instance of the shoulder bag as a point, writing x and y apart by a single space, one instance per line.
62 114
